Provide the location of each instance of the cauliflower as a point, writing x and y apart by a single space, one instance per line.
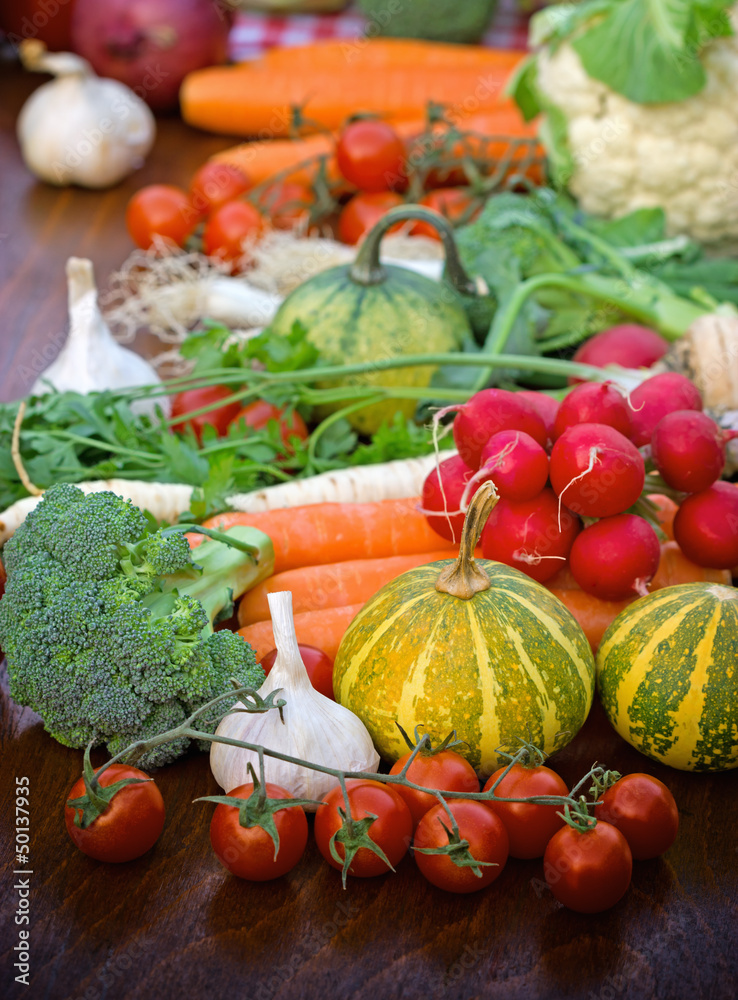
616 155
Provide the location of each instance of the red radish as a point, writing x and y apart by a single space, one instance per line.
445 497
629 345
615 557
516 464
488 412
593 403
545 406
688 449
596 471
706 526
531 535
657 396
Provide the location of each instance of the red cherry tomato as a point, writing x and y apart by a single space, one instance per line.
453 203
644 811
249 851
392 830
318 664
529 826
446 770
216 183
258 414
287 204
371 155
194 399
478 825
160 210
228 227
588 871
360 214
131 824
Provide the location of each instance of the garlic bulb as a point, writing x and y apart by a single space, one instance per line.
314 728
91 359
80 128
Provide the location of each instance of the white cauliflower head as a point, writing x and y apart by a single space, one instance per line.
682 156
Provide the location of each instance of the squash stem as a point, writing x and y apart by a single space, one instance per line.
367 269
465 577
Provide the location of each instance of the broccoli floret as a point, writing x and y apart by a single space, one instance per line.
107 625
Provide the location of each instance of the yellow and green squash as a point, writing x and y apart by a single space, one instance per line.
667 675
474 646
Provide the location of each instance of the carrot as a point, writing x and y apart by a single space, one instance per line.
323 629
262 159
593 614
675 568
258 99
331 532
667 512
332 585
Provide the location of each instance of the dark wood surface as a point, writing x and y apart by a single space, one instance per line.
174 924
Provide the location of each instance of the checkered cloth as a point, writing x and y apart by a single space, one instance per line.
254 32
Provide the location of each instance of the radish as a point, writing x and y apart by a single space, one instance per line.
593 403
534 536
596 471
629 345
545 406
688 449
706 526
488 412
657 396
516 464
615 557
443 495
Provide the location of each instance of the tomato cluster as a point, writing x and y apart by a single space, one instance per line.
591 460
460 844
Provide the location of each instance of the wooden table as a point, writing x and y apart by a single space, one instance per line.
174 924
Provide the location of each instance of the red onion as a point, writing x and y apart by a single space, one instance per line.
151 45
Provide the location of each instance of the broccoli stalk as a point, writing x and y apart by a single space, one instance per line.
107 625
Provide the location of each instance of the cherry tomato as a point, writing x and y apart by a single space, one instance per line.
485 834
644 811
258 414
194 399
588 871
371 155
287 204
318 664
249 851
216 183
391 831
160 210
448 771
454 203
360 214
228 227
131 824
529 826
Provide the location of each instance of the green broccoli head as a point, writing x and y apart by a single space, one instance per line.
100 641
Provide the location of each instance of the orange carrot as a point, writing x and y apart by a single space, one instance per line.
594 615
332 585
667 512
261 159
675 568
258 98
323 629
332 532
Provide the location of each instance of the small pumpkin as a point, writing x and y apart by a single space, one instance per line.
667 675
471 645
365 311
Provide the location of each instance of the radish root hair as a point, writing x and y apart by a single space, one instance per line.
533 558
437 416
593 459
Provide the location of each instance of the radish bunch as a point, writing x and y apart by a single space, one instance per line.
569 475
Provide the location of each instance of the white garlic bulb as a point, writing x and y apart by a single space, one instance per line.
314 728
81 128
91 359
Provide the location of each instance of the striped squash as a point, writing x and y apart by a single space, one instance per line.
502 662
667 675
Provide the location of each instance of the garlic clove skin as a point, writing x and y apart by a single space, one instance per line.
315 728
80 128
92 360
